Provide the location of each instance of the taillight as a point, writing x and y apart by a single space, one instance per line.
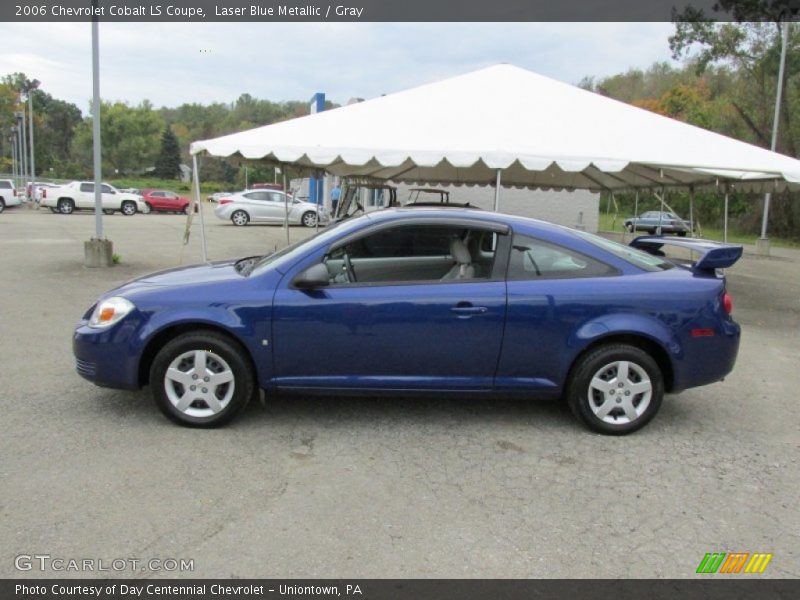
727 303
224 201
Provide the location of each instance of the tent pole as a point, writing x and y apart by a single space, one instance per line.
285 205
497 192
196 178
691 211
725 217
661 212
635 211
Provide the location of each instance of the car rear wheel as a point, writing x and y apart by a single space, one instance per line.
149 207
240 218
681 234
2 205
201 379
185 210
66 206
629 227
309 219
616 389
128 208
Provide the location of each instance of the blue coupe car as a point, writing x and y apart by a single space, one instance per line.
424 301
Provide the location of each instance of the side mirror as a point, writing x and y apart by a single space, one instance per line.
313 277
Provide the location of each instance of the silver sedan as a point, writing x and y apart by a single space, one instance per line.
268 206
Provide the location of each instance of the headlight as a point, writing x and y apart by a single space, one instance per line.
110 311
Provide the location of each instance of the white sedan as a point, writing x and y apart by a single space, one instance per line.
268 206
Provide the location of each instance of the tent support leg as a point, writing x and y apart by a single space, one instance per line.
196 178
691 211
635 212
725 219
285 206
497 192
661 213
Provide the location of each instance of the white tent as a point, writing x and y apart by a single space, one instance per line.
506 121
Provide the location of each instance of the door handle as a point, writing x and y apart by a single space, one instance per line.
467 311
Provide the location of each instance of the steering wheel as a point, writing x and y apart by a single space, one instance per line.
351 272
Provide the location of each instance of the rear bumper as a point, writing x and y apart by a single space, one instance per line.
707 360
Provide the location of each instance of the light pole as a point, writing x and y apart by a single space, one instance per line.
763 241
30 131
97 252
12 139
20 114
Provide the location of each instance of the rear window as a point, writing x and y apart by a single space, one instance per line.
643 260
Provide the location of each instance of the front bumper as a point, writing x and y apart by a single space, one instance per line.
107 357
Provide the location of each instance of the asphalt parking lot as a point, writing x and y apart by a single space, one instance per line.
322 487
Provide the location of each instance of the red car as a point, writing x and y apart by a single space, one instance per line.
165 201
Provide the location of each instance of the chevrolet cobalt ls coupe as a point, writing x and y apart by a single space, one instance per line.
424 300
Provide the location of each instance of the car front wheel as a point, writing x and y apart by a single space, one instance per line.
629 227
616 389
201 379
240 218
128 208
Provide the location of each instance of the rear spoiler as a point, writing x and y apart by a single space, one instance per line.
713 255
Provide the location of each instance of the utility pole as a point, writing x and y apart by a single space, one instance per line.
763 241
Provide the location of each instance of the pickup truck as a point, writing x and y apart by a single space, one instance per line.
79 195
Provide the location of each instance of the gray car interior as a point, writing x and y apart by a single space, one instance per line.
436 254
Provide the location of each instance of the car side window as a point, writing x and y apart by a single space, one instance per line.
418 253
273 197
106 189
87 187
156 194
536 259
260 196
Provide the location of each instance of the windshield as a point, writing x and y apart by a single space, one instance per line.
643 260
286 255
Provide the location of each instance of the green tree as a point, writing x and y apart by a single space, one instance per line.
130 137
168 162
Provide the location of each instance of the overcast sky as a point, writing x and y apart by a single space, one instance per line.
173 63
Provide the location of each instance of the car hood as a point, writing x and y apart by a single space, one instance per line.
181 277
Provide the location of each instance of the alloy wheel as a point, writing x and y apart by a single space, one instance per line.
199 383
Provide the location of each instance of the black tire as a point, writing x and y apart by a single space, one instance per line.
66 206
2 205
209 341
629 227
309 219
128 208
652 231
108 211
54 210
681 234
241 216
581 395
149 207
185 210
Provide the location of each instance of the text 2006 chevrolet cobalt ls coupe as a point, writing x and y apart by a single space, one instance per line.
408 301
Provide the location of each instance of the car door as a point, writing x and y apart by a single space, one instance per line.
255 203
411 331
110 198
84 197
276 206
